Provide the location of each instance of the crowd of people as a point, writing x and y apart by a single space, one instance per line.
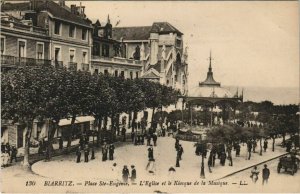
8 154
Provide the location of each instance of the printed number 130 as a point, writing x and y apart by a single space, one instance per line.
30 183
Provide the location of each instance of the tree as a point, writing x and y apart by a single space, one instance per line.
24 93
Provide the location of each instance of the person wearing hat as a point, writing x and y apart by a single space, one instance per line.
150 152
104 152
179 151
14 152
111 151
86 153
265 174
78 154
125 174
133 173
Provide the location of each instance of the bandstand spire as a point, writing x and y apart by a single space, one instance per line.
210 79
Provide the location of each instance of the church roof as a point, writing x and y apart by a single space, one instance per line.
164 27
151 74
131 33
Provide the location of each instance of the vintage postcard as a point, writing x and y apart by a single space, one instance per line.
150 96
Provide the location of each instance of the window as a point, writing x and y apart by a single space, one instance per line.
105 72
84 34
105 50
122 74
72 55
96 49
131 75
22 48
178 43
175 78
57 27
96 71
40 51
137 74
84 57
57 54
2 45
72 31
116 73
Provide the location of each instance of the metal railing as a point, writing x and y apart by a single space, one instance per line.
85 66
120 60
72 66
23 61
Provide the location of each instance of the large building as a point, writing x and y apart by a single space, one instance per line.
67 30
49 33
160 48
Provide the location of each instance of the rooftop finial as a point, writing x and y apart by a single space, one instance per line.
210 69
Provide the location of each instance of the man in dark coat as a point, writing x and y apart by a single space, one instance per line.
111 151
150 152
104 152
265 145
133 173
86 153
14 152
237 150
163 131
179 151
125 174
176 143
148 139
78 154
249 147
222 158
154 136
124 133
265 174
210 161
132 136
61 143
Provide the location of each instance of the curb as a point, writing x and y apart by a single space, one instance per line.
228 175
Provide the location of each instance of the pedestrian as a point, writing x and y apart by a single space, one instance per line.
142 138
210 161
176 143
111 151
132 136
137 139
163 131
61 142
254 174
125 174
180 151
288 146
104 152
150 152
124 133
148 139
265 145
14 152
237 150
265 174
6 159
230 159
86 153
133 173
154 138
93 153
81 142
249 148
254 145
8 148
222 158
78 154
177 161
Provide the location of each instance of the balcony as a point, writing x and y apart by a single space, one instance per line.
72 66
7 60
85 66
58 64
116 60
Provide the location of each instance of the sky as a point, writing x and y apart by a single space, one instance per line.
252 43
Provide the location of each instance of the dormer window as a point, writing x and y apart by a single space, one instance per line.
72 31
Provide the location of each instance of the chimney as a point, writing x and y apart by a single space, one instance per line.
73 9
62 3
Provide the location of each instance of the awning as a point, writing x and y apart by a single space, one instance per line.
82 119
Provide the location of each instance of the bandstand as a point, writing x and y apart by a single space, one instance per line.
209 95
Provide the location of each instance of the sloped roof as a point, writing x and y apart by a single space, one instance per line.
56 10
151 74
132 33
164 27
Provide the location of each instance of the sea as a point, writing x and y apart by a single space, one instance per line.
277 95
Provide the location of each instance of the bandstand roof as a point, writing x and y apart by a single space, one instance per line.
210 91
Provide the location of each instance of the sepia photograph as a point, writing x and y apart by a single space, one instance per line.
150 96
